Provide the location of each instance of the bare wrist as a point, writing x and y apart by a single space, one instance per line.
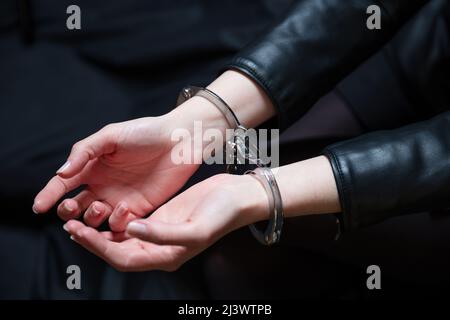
198 109
245 97
247 100
252 200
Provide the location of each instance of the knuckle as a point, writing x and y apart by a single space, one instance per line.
84 233
109 133
77 147
63 185
108 127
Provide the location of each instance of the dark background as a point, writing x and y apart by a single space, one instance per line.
129 60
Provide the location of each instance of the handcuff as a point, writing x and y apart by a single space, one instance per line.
241 150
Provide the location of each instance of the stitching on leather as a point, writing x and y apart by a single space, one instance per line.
345 199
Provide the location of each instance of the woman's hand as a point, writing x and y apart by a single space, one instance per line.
126 168
180 229
195 219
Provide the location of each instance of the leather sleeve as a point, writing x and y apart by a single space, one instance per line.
388 173
314 46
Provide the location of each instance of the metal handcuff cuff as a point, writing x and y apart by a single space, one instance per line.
262 173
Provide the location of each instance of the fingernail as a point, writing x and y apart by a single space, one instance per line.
136 228
96 210
63 167
34 209
72 238
65 227
122 210
68 207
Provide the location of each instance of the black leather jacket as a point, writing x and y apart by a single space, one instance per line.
304 56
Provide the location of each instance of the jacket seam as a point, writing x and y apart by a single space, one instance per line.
344 195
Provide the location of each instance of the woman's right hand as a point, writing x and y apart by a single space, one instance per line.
126 168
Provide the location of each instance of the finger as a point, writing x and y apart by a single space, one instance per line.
167 233
95 242
55 189
101 142
120 217
72 208
68 209
137 257
115 236
97 213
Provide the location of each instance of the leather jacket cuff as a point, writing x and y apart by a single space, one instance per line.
389 173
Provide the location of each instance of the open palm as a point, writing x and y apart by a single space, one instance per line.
126 171
181 228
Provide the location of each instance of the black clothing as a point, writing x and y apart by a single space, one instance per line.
57 86
315 46
381 174
388 173
129 60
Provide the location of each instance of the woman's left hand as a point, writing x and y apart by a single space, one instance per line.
180 229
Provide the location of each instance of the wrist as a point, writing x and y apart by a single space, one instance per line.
251 199
308 187
198 114
197 109
247 100
245 97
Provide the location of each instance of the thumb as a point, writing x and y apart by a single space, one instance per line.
185 233
94 146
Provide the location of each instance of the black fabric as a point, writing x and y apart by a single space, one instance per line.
314 46
297 62
403 83
384 174
129 59
407 80
309 264
388 173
